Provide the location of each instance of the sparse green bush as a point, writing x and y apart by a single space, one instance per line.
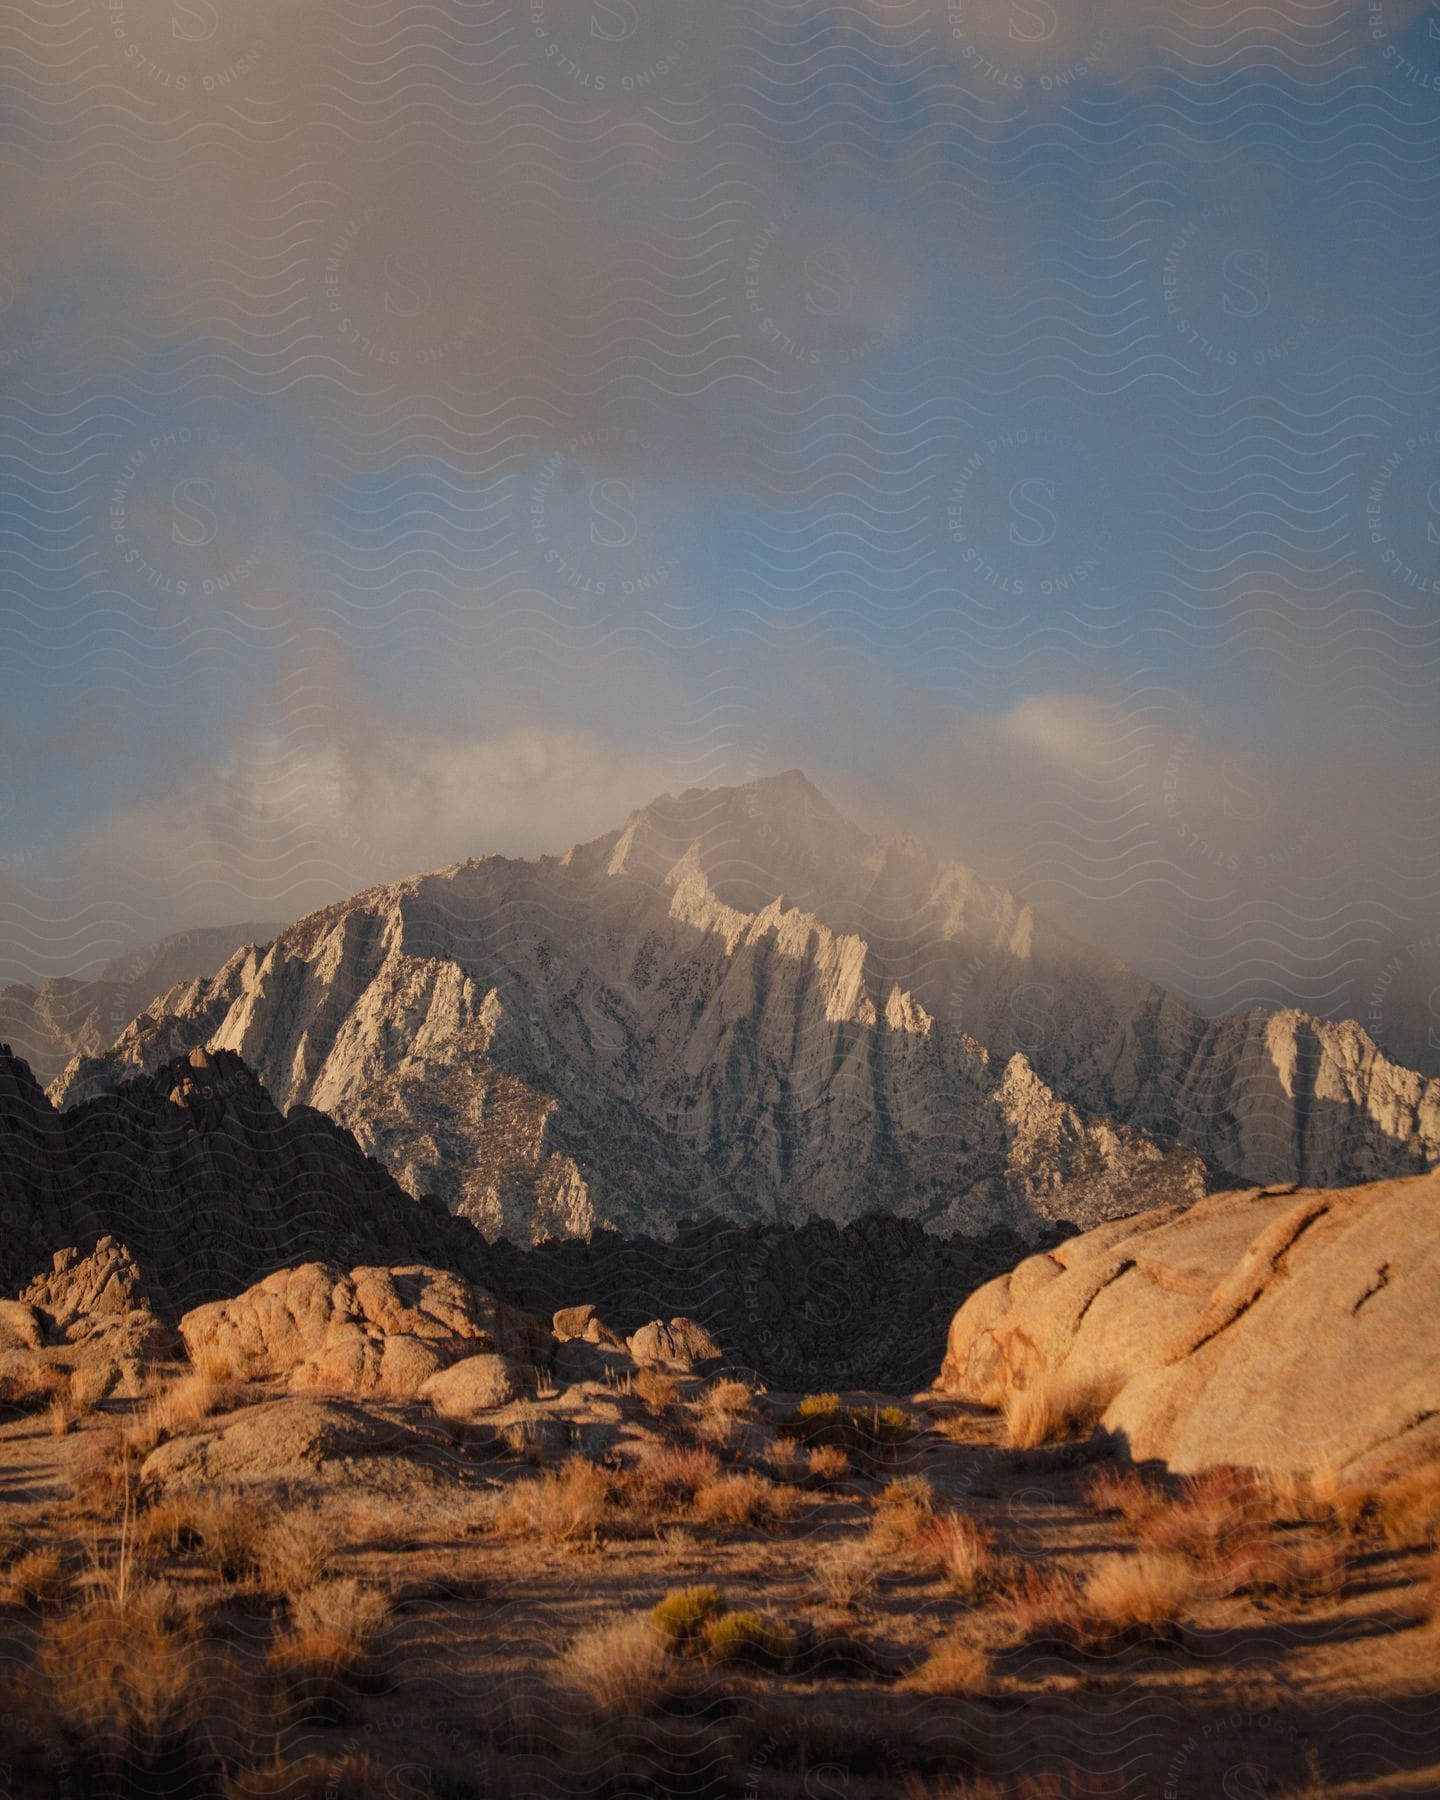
756 1639
683 1616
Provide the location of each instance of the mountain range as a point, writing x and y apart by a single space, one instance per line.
740 1004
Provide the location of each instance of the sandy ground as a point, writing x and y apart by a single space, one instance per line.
464 1688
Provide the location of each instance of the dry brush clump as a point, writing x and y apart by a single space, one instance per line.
847 1574
565 1507
1052 1409
325 1658
871 1436
622 1667
177 1409
30 1386
950 1667
739 1500
904 1514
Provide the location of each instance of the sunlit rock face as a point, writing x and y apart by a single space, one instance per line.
740 1003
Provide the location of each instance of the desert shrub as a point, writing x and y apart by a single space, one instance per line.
739 1500
950 1668
1125 1492
1051 1409
1289 1567
728 1398
231 1529
904 1513
658 1390
101 1469
872 1433
961 1550
175 1410
1147 1593
827 1464
1041 1606
755 1639
846 1574
136 1690
1211 1516
676 1470
29 1388
37 1577
621 1667
322 1661
295 1551
682 1616
568 1505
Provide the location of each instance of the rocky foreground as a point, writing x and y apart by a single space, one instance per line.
363 1531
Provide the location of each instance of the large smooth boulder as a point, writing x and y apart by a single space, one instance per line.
367 1330
1271 1328
479 1384
298 1441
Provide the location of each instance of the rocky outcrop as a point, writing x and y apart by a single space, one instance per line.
682 1344
1280 1328
49 1023
740 998
196 1171
79 1289
371 1330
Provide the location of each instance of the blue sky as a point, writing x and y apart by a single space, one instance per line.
1026 421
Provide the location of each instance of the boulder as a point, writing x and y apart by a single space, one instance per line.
297 1441
478 1384
573 1322
370 1330
1272 1327
680 1344
79 1288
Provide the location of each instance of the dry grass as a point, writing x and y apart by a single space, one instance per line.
38 1577
728 1399
1125 1492
231 1529
846 1574
322 1661
1052 1409
565 1506
950 1668
658 1390
295 1552
31 1387
904 1515
739 1500
1212 1515
1041 1606
828 1464
177 1409
622 1667
101 1470
963 1552
210 1364
674 1471
1148 1593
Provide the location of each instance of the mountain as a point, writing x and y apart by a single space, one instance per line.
48 1024
739 1003
195 1169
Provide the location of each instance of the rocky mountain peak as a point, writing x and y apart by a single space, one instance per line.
741 1003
